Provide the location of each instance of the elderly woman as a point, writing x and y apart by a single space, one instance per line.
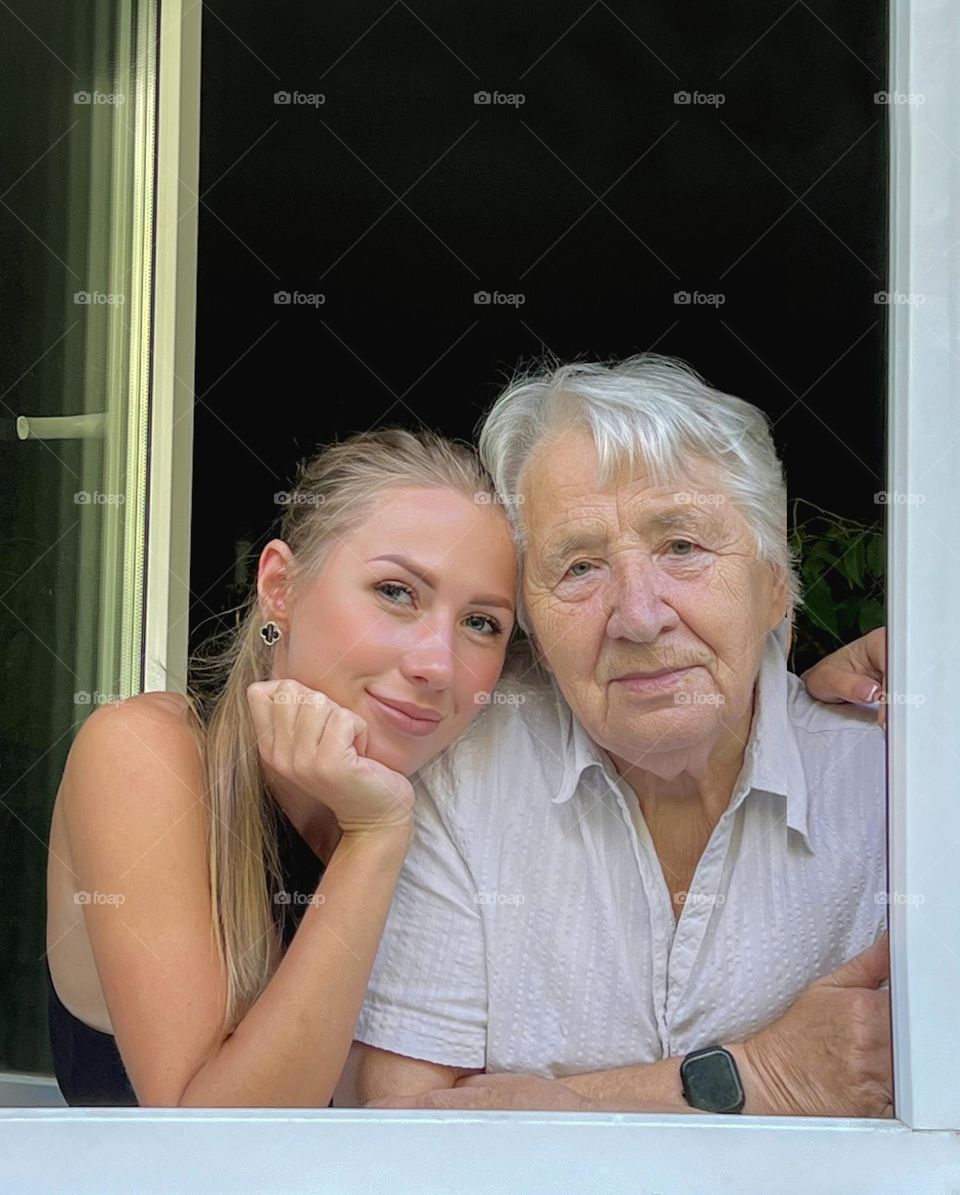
644 873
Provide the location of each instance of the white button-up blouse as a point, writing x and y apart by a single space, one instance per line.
532 929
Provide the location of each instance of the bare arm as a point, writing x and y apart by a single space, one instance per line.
289 1049
374 1074
647 1087
136 821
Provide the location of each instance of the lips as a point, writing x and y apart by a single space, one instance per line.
654 683
654 673
649 675
423 722
423 713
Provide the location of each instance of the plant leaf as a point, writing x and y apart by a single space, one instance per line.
870 615
854 561
820 606
876 555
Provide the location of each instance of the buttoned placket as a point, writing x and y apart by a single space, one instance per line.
675 941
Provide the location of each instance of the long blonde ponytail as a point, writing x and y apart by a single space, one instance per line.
333 494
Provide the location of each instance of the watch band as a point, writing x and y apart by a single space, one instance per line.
711 1081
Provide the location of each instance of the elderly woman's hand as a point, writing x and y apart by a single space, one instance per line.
856 672
829 1053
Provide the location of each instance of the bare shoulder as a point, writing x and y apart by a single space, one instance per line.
157 708
137 824
149 730
135 767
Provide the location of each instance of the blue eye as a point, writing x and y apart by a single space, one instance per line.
389 590
575 565
382 586
683 543
493 627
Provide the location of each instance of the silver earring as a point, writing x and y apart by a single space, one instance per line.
270 633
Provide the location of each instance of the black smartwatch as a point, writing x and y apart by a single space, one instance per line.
711 1080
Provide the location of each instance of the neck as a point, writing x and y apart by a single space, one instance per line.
683 792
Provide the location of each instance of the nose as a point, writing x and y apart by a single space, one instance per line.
430 659
636 600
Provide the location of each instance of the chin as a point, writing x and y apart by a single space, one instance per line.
399 757
391 756
674 729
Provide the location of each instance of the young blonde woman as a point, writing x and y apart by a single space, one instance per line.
220 869
221 865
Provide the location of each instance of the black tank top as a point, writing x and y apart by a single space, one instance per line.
88 1066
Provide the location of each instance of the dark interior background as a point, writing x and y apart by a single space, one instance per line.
597 199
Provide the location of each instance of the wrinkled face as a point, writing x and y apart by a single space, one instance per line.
412 612
648 603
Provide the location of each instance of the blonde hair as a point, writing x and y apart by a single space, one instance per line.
334 492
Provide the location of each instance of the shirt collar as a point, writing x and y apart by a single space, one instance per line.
771 762
580 752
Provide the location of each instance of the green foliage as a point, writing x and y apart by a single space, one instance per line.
841 566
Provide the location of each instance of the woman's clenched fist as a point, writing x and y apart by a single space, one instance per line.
312 755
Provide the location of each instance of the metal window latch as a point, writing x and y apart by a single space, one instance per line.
62 427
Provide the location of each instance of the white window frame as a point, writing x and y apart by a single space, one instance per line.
309 1150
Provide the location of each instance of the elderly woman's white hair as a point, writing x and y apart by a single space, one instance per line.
650 411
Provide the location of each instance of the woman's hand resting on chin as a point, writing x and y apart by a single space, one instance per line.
312 752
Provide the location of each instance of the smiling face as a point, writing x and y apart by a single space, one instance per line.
648 603
411 612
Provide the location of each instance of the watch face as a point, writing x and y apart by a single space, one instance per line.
710 1081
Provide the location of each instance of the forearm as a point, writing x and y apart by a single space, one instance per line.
290 1048
645 1087
656 1086
374 1074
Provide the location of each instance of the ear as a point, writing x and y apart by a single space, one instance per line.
274 576
780 606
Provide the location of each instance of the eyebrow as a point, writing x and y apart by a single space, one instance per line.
574 541
430 580
689 519
692 517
